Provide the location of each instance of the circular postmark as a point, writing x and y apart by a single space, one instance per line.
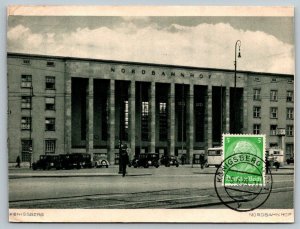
243 182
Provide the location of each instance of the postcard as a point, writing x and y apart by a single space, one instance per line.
167 114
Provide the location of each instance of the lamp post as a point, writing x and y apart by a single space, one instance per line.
238 44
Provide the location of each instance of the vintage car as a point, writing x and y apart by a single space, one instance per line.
100 162
75 160
47 162
145 160
169 161
275 157
214 156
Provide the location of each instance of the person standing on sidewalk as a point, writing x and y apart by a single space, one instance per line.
124 159
18 162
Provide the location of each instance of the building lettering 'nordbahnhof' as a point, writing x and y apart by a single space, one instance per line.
64 105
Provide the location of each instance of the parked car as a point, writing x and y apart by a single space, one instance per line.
145 160
75 160
100 161
275 157
47 162
169 161
290 160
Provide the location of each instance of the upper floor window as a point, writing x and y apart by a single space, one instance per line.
257 79
26 123
273 80
290 81
50 124
50 64
50 103
50 82
273 112
25 102
290 96
289 130
145 114
26 61
256 94
256 112
290 113
163 121
256 129
273 129
274 95
26 81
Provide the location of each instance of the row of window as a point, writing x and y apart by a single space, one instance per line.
26 82
273 130
49 146
273 112
49 103
273 80
273 95
26 123
48 63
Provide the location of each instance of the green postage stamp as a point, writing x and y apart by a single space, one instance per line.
243 159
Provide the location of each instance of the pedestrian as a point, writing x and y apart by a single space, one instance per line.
18 162
202 160
124 159
183 158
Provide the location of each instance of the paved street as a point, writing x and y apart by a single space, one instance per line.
182 187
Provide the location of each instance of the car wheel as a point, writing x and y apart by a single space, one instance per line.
104 163
177 165
135 166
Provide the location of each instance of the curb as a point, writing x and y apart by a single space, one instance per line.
19 176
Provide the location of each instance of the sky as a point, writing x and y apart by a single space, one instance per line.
267 43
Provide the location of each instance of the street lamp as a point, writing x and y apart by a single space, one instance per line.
238 44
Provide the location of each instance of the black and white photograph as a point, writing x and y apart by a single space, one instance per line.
123 110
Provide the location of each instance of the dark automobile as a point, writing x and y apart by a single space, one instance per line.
290 160
47 162
75 160
145 160
169 161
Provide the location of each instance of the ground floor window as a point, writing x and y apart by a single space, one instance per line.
26 149
50 146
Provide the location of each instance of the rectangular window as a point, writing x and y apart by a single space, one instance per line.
256 129
125 121
289 150
163 121
26 149
50 146
26 123
273 95
50 64
50 124
256 94
257 79
25 102
256 112
290 130
273 80
50 103
290 113
290 81
26 61
26 81
145 125
290 96
50 82
273 112
273 129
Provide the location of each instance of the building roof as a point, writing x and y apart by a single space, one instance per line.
141 63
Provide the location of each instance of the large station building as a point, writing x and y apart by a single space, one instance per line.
65 105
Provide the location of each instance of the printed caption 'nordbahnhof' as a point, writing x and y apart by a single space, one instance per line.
65 105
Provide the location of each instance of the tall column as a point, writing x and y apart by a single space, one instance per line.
152 119
90 117
227 110
190 122
132 118
171 119
112 121
209 116
68 111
